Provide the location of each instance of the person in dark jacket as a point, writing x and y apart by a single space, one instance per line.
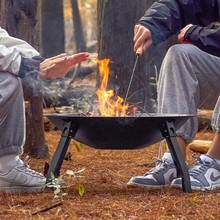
189 79
19 60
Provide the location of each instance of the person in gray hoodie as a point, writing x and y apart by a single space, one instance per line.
189 79
19 60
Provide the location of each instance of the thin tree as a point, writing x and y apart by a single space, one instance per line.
78 30
52 27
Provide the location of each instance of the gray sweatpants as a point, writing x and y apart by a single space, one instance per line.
12 120
189 79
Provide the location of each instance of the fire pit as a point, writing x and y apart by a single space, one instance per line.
131 132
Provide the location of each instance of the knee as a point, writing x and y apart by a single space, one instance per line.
181 50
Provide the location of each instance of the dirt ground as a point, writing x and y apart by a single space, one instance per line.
106 194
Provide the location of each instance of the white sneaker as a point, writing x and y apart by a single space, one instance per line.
21 179
161 175
204 175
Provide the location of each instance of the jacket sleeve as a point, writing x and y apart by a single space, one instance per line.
167 17
17 56
10 60
30 67
206 38
163 19
25 49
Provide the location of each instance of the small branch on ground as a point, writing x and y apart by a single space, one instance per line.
47 208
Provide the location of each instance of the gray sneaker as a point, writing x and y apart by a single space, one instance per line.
21 179
204 175
161 175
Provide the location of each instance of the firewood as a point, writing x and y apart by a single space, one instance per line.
204 119
200 146
205 113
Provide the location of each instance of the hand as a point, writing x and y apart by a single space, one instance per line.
182 33
142 37
58 66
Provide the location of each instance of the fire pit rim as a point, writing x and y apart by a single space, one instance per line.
159 115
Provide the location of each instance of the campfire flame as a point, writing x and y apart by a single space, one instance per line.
109 104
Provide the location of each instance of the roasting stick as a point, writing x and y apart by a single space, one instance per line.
138 54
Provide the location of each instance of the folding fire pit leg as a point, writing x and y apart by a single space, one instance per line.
168 132
68 132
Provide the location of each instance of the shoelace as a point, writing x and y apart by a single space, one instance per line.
160 165
26 168
25 161
199 166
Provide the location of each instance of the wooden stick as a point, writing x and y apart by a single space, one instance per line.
139 51
47 208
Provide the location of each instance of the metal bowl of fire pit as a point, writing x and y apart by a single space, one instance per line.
130 132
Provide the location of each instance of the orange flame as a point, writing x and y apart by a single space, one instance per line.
109 105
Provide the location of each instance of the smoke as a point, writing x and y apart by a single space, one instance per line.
75 92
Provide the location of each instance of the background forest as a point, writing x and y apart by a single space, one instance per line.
104 28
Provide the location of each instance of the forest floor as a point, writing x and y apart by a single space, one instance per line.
106 195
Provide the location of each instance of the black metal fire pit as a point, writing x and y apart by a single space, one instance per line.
124 133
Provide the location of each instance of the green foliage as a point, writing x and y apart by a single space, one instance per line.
78 146
80 188
74 176
58 184
194 198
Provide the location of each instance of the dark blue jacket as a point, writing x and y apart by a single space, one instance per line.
167 17
30 67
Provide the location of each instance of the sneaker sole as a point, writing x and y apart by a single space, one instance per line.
132 184
21 189
196 188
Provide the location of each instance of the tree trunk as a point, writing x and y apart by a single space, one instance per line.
19 18
78 30
116 21
52 27
35 129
